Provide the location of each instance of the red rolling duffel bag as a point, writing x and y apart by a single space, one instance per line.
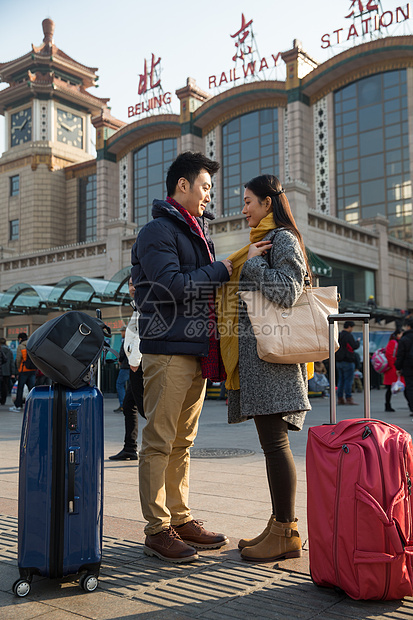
359 499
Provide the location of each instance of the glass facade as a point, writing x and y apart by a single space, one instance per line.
353 282
150 165
249 148
87 208
372 152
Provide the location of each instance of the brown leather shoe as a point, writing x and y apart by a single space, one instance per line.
168 546
350 401
195 535
340 401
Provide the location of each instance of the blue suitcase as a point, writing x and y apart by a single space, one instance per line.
61 486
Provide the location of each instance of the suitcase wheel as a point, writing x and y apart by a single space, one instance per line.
88 582
21 587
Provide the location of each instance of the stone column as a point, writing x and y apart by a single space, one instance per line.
191 97
298 135
107 172
380 224
297 193
116 231
300 147
107 194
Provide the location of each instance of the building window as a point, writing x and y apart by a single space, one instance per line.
87 208
14 229
14 185
353 282
150 165
372 151
249 148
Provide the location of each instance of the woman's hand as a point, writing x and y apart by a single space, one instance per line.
259 249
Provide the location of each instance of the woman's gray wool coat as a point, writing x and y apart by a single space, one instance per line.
265 387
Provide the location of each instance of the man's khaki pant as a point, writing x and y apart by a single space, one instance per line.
174 392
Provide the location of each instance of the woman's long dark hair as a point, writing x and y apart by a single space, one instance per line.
394 335
268 185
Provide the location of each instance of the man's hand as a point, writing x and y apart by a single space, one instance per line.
259 249
228 265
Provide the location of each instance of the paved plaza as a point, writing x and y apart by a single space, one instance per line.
229 494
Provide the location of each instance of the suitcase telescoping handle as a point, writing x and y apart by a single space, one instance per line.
99 368
349 316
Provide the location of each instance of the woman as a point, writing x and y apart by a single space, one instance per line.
390 376
274 395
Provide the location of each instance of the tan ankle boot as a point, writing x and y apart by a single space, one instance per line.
283 541
341 401
250 542
350 401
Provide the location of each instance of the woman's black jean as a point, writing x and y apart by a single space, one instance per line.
281 472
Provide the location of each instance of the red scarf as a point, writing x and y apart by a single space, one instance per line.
212 366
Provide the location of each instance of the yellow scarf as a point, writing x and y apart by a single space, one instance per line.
227 306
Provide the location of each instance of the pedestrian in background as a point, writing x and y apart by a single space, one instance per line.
2 363
123 374
404 361
133 401
275 396
41 379
8 371
375 377
390 376
346 363
175 275
26 372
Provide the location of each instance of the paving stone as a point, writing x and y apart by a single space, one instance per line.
219 586
13 608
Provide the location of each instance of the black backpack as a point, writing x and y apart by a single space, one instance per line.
67 348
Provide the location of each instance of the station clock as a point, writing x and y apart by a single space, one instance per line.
69 128
21 127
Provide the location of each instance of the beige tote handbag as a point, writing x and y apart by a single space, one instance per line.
293 335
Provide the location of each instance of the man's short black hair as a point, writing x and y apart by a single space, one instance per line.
188 165
22 336
349 324
409 322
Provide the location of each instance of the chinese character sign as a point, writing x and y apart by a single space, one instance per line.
243 48
252 65
149 79
371 5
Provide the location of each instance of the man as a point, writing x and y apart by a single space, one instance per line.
346 363
404 361
26 371
123 375
8 370
175 276
133 401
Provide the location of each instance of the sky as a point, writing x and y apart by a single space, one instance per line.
192 39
